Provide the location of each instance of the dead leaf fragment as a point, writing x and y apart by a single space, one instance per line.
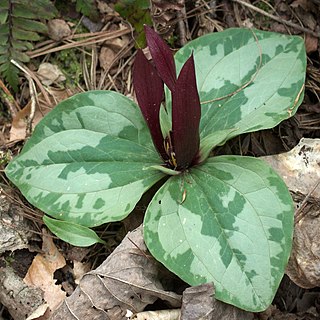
58 29
19 123
41 272
311 43
127 280
304 264
199 303
50 73
300 167
41 313
79 269
106 58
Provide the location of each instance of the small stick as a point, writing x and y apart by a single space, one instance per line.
9 100
299 214
278 19
103 36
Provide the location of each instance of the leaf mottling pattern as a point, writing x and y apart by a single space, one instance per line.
247 80
85 161
229 230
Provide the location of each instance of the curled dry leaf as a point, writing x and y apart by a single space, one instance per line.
127 279
198 303
106 58
303 267
58 29
50 73
109 52
41 272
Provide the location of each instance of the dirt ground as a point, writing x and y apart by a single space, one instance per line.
81 53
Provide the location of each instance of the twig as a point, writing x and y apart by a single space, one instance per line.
182 26
9 100
278 19
101 37
299 214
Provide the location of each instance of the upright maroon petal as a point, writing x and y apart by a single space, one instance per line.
162 57
149 92
186 113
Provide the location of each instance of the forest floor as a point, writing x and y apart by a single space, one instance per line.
82 53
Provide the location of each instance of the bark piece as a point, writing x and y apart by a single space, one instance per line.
20 299
300 169
14 229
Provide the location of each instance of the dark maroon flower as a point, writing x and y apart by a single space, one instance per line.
179 149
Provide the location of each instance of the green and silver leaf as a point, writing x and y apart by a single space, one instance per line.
247 79
85 162
228 221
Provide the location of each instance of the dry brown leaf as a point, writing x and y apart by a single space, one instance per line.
311 43
58 29
127 279
79 269
299 168
41 272
42 313
19 123
305 4
106 58
49 73
304 264
198 303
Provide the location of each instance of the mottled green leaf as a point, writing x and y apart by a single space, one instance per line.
228 221
72 233
86 160
212 140
247 79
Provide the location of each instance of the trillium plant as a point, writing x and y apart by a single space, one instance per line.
223 219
